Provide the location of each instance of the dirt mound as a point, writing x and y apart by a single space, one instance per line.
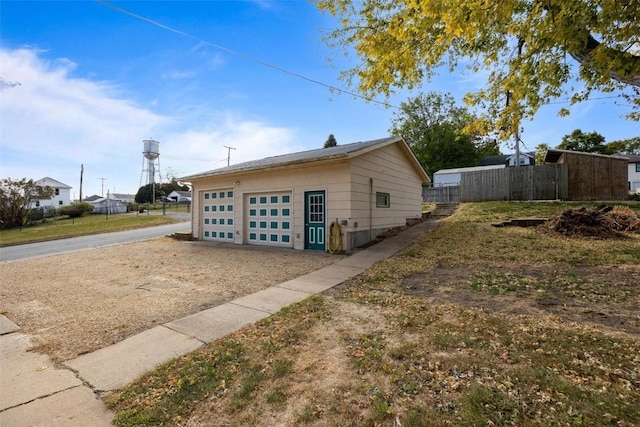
623 218
603 222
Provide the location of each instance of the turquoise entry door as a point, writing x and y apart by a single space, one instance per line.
314 220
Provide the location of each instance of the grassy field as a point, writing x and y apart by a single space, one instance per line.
469 325
93 224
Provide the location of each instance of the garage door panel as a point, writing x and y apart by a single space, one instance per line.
269 219
217 215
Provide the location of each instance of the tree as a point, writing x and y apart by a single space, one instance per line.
625 146
433 126
144 194
541 153
522 46
330 142
591 142
16 198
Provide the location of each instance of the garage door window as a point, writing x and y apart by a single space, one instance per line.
269 219
217 215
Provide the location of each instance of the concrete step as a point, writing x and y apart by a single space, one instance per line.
444 210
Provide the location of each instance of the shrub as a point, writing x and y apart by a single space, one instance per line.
76 210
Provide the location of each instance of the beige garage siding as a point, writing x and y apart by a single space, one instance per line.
392 173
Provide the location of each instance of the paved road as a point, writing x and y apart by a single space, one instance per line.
53 247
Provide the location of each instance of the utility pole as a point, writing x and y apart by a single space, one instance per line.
102 190
228 153
81 173
516 136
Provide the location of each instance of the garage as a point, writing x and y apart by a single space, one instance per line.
268 219
327 199
217 215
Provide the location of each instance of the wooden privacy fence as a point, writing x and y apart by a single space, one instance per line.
446 194
548 182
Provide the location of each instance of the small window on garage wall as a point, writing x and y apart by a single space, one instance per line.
383 200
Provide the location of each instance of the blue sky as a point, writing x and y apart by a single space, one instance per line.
86 84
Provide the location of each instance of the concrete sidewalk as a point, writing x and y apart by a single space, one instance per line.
35 393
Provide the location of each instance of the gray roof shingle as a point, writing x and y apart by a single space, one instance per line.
339 151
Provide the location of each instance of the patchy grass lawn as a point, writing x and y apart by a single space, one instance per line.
91 224
470 325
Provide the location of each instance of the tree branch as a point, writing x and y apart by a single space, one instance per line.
585 57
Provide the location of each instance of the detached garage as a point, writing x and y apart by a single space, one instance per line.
332 199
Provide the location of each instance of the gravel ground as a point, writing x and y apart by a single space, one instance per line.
77 303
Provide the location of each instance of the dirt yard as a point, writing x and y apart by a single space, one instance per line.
607 297
77 303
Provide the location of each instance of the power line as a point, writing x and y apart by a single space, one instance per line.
281 69
242 55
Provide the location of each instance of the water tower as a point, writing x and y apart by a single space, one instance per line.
150 161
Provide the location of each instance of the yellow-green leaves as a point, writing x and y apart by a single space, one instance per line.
523 46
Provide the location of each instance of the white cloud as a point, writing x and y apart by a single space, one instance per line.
200 150
52 121
75 119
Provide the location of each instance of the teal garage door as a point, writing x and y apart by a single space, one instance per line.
217 215
269 219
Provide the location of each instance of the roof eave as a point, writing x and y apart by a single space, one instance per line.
287 165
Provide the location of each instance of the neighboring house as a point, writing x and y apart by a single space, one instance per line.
92 198
61 194
509 160
633 174
124 198
180 196
452 177
593 176
326 199
108 205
